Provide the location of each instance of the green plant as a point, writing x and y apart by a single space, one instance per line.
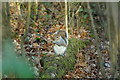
14 66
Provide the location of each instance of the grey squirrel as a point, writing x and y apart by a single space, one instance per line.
61 42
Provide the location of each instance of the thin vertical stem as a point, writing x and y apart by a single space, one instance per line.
26 28
66 16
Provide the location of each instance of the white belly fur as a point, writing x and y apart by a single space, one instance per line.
59 49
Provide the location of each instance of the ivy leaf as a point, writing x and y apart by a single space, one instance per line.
37 38
86 10
47 16
36 30
40 16
81 9
93 11
38 34
85 16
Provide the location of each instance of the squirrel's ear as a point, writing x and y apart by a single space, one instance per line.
64 34
61 33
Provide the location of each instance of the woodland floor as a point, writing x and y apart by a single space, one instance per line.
38 43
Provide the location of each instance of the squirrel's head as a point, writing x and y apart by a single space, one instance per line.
60 38
56 37
60 33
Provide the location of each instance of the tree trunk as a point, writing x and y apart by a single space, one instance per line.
112 18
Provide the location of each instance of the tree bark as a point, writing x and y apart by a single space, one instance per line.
112 19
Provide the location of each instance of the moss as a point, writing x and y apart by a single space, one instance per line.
59 65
